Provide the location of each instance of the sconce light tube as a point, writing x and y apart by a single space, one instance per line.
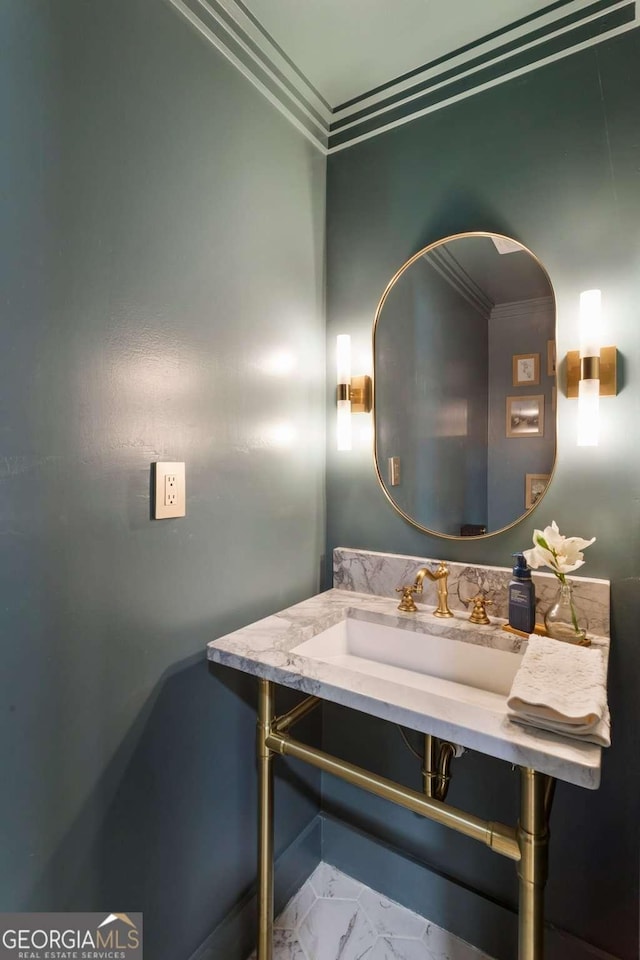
343 370
589 384
588 412
343 358
590 323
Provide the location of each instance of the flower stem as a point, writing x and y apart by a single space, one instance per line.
574 617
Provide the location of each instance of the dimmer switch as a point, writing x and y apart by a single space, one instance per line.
170 493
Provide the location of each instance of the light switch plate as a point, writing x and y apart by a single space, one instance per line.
394 471
170 493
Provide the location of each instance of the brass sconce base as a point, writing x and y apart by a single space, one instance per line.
361 394
608 372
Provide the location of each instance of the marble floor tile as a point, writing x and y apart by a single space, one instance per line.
337 930
297 908
286 946
389 918
399 948
333 917
329 882
443 946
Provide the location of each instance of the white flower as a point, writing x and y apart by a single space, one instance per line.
561 554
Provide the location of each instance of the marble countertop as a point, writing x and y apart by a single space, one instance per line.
477 721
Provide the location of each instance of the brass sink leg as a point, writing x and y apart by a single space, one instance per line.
527 844
536 794
265 821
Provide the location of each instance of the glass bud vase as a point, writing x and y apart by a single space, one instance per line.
563 620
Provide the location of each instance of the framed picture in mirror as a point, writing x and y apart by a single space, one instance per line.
526 369
551 358
525 416
535 485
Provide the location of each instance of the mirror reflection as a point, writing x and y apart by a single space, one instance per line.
464 385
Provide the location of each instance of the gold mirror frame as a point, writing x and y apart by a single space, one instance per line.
405 266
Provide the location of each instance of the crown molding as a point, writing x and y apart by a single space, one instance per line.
227 26
480 66
522 309
445 263
557 31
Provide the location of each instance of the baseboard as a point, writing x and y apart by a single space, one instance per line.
235 937
490 926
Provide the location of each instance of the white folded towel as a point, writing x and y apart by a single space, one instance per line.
562 687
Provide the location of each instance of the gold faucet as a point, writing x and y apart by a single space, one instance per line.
440 578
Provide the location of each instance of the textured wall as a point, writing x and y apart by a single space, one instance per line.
552 159
162 234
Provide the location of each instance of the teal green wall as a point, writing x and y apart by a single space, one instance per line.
551 158
162 231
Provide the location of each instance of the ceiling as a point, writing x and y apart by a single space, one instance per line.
343 71
347 47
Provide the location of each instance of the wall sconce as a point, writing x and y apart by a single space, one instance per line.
353 393
591 370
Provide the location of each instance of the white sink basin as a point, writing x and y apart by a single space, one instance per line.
425 660
448 678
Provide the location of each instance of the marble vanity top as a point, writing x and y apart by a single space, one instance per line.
476 719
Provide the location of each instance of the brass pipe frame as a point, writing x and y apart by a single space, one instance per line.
265 820
527 844
497 836
287 720
536 796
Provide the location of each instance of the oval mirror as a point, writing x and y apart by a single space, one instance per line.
464 385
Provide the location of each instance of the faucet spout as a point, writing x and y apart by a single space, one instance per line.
440 578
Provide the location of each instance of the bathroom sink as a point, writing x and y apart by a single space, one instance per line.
446 677
427 660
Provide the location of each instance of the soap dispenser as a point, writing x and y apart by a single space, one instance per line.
522 597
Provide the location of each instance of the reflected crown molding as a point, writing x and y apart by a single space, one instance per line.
520 309
444 262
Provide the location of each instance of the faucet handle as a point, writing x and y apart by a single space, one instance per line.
479 613
407 604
